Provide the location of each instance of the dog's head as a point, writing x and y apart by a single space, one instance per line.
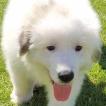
64 50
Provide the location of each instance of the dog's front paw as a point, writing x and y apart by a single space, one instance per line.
19 99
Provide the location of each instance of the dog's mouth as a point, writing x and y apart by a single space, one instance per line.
61 91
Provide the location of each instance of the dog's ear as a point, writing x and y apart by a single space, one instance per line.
96 55
24 42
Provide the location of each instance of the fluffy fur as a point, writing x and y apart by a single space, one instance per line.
30 26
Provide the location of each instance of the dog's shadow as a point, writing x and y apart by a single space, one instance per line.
102 62
91 95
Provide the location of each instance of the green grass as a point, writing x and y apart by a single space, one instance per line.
94 89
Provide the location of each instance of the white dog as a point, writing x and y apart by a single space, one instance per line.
51 43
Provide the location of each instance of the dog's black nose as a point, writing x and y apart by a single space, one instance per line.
66 76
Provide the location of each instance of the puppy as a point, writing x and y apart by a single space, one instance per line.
51 43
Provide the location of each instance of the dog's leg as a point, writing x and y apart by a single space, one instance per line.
22 85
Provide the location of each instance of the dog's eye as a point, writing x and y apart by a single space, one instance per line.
51 48
78 48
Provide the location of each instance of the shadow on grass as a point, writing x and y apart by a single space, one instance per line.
92 95
103 58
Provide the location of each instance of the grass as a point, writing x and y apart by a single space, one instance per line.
94 89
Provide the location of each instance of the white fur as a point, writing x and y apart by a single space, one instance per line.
63 23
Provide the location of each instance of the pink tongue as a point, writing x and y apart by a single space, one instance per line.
61 92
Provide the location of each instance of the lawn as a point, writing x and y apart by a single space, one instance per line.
94 89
